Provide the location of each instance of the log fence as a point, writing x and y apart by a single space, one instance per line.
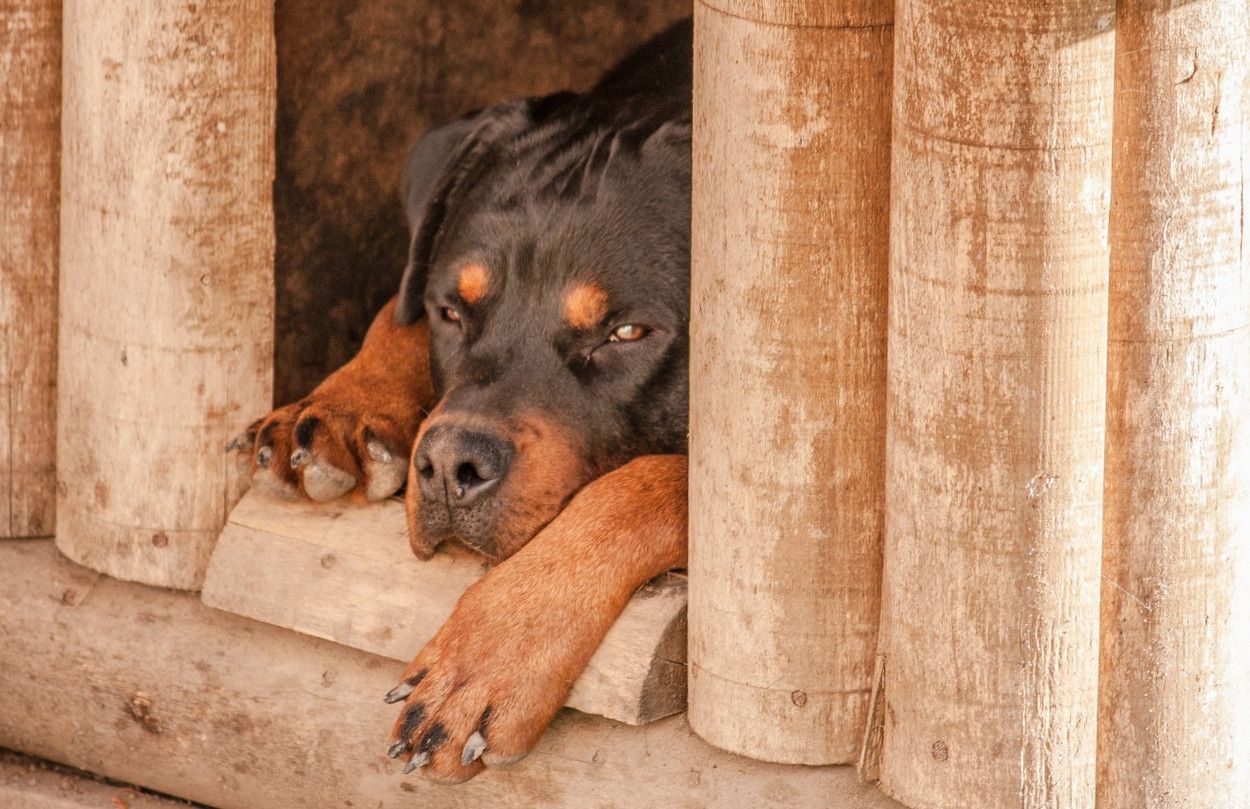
970 368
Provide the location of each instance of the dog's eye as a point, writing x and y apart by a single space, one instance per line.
448 314
627 333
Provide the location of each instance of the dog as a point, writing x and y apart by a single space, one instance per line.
528 385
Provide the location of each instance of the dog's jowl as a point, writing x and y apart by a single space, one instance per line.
528 384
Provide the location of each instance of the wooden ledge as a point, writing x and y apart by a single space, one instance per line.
345 573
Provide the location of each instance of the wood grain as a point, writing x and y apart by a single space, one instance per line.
345 573
997 386
30 164
1174 712
151 687
787 375
166 327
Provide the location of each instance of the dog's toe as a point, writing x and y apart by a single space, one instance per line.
324 481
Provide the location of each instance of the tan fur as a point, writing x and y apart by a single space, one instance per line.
585 306
473 282
522 634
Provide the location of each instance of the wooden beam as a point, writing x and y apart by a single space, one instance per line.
787 376
151 687
30 163
1174 712
345 573
166 327
998 315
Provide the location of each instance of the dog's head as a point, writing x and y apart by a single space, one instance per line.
550 255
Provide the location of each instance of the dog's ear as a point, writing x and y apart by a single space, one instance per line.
439 166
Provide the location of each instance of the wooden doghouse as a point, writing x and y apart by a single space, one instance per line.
970 401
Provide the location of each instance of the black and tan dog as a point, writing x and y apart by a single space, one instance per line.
529 383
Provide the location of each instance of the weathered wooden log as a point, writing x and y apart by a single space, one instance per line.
787 406
1174 713
166 328
30 160
997 389
152 687
28 783
345 573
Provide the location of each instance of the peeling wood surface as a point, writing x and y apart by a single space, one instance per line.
787 375
1174 718
345 573
997 386
243 715
166 327
30 165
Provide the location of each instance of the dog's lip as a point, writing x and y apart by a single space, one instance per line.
473 546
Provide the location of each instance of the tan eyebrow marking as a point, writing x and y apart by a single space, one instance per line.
585 305
472 284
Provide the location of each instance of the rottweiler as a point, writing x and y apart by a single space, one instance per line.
528 384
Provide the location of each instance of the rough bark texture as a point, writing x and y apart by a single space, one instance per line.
166 276
151 687
1174 720
357 83
998 325
787 410
30 162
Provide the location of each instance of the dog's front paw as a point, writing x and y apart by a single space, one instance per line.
355 431
324 447
484 689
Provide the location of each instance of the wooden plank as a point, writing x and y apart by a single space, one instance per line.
149 686
1174 696
791 182
30 151
166 327
345 573
996 403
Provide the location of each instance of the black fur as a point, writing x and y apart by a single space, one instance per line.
549 192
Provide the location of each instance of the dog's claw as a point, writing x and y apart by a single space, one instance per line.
399 692
300 457
379 452
419 760
473 749
264 456
397 749
241 441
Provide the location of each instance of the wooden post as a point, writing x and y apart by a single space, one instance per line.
998 317
30 151
166 328
787 405
1174 713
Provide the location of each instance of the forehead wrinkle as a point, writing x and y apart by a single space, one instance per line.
585 305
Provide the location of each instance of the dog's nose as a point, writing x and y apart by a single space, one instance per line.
459 466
